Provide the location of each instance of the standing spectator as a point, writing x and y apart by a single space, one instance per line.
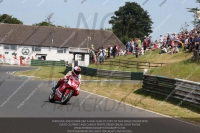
128 46
118 49
165 39
149 41
161 41
196 41
111 48
136 50
101 56
108 51
145 43
114 51
139 43
132 43
139 46
173 37
186 43
191 42
168 39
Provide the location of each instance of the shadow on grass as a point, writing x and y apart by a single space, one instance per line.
170 100
192 60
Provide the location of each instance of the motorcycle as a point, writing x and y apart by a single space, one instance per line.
65 91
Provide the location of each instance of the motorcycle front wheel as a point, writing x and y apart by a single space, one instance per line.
67 97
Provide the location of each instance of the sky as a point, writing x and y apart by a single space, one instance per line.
167 15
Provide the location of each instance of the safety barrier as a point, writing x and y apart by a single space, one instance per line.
183 90
109 73
47 63
187 91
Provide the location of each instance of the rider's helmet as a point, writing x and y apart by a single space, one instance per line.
76 71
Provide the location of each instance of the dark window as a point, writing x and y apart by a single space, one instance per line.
61 50
6 47
13 47
37 49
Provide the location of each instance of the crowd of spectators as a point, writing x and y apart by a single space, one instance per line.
169 43
98 56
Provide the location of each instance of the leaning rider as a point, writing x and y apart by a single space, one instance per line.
74 73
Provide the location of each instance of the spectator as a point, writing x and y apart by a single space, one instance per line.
114 51
101 56
197 41
149 41
128 46
168 39
109 51
145 44
136 50
111 48
163 50
186 43
132 44
160 41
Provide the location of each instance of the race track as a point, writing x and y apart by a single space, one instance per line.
22 97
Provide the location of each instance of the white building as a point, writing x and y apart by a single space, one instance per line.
51 43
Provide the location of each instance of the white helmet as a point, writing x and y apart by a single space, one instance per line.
76 71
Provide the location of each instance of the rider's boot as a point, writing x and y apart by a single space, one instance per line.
54 88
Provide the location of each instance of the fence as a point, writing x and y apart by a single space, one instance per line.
177 88
47 63
12 61
133 64
109 74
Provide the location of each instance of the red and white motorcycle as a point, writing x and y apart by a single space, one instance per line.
65 91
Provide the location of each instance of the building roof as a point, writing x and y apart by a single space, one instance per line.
48 36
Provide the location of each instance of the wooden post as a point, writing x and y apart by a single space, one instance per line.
137 65
149 65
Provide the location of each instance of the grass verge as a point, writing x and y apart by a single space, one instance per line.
183 70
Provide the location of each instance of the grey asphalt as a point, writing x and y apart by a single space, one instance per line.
23 97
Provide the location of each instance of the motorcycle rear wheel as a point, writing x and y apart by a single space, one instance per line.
51 97
67 97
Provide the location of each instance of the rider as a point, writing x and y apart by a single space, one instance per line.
76 74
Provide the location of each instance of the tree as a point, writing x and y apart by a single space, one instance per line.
49 17
108 29
9 19
47 21
44 24
194 11
125 39
131 20
184 27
